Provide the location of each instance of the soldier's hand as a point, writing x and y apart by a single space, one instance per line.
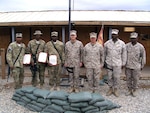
81 64
12 67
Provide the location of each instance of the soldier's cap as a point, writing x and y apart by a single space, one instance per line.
18 35
73 32
133 35
54 33
93 35
38 32
115 31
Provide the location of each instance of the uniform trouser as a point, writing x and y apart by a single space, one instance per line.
54 75
93 75
74 77
18 75
39 73
132 78
114 76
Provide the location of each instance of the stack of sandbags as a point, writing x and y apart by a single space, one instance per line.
45 101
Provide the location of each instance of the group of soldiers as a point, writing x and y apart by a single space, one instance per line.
113 55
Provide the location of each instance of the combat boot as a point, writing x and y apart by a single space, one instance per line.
52 88
71 90
58 88
110 91
134 93
76 90
116 93
129 92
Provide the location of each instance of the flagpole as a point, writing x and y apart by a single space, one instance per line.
69 20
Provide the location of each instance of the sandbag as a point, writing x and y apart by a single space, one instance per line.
41 93
28 89
71 112
33 108
31 96
79 104
44 101
61 95
80 97
17 95
67 108
101 104
49 110
56 108
19 91
92 111
21 103
90 107
96 98
59 102
112 105
15 98
38 104
26 99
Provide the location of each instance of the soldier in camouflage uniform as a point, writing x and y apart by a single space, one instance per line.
73 59
14 56
136 59
36 46
93 61
115 58
55 47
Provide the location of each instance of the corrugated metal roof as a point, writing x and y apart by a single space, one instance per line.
78 17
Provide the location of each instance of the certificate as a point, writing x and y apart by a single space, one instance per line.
42 57
53 59
27 59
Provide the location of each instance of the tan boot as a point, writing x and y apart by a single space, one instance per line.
116 93
134 93
58 88
129 92
76 90
71 90
52 88
110 92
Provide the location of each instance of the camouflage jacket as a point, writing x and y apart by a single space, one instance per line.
73 53
93 55
49 48
13 52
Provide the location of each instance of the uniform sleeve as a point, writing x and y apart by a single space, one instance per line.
105 52
143 57
28 48
66 54
124 55
102 56
9 56
84 55
81 52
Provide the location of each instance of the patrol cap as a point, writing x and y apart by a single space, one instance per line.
115 31
38 32
73 32
18 35
93 35
54 33
133 35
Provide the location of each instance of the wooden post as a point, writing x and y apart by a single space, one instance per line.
3 66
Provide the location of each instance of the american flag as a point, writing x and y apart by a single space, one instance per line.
100 36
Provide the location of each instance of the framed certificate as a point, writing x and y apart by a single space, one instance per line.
27 59
53 59
42 57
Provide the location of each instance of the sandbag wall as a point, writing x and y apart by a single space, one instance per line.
44 101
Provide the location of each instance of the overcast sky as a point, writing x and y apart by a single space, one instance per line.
38 5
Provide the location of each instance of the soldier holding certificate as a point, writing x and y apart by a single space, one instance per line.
14 56
56 56
35 47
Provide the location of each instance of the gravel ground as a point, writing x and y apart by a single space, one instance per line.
139 104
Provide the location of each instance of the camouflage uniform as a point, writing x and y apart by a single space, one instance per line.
55 71
115 57
136 59
18 70
73 58
32 47
93 61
